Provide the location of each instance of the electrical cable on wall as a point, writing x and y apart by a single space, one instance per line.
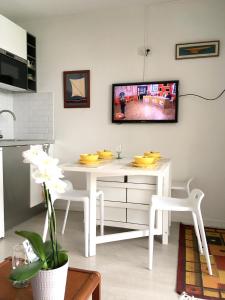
146 52
204 98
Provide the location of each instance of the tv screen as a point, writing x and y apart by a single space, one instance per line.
145 102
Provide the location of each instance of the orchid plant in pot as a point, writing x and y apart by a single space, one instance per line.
51 261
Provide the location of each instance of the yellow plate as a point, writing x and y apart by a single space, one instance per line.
148 166
85 162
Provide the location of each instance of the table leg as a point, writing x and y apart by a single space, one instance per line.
91 187
166 192
96 295
159 212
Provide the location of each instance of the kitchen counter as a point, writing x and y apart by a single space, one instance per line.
22 142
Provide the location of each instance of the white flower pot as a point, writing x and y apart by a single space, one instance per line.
50 284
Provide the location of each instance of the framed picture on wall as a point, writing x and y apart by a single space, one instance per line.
197 50
76 86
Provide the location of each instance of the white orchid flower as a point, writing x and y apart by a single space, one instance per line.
34 155
56 186
44 174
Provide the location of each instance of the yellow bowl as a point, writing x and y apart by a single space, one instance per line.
152 154
144 159
105 154
89 157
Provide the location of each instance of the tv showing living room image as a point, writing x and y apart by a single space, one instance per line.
145 102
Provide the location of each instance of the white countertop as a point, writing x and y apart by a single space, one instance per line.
22 142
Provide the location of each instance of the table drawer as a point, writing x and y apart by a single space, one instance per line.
111 179
117 194
142 179
113 214
137 216
140 195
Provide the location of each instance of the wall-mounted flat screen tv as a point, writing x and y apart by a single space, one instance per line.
145 102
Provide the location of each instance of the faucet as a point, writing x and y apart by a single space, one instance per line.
8 111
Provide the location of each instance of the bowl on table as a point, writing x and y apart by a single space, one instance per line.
152 154
144 160
105 154
89 157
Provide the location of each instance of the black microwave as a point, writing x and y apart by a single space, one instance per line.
13 71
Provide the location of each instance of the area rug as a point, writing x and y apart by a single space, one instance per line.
192 272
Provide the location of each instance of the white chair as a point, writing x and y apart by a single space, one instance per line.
192 204
77 196
182 185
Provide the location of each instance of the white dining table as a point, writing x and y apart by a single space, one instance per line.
123 167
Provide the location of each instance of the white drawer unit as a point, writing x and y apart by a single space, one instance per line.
111 179
114 214
113 191
127 200
140 193
142 179
137 216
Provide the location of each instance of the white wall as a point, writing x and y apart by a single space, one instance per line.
107 43
6 120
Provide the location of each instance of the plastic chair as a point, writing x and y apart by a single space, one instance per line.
191 204
77 196
182 185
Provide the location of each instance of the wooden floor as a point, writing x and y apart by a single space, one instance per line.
145 111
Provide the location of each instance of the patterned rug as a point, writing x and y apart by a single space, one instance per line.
192 272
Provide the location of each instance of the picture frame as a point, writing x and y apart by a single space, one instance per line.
76 86
197 50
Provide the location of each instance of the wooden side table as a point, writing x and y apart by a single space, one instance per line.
81 284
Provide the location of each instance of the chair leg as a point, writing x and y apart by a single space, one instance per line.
86 226
101 199
204 241
151 236
197 232
45 231
65 217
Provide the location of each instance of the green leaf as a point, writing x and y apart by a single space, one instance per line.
26 272
48 248
36 242
63 258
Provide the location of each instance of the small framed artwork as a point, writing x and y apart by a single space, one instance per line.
197 50
76 88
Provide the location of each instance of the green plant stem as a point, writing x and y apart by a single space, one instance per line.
52 225
53 218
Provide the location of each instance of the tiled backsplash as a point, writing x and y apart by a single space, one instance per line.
6 120
34 116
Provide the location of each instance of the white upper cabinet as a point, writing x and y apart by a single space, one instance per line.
13 38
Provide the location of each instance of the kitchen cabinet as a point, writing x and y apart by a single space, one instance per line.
13 38
16 187
2 227
127 200
20 197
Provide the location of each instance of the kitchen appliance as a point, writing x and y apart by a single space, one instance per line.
13 71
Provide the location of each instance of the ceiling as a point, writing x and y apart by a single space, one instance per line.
26 10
